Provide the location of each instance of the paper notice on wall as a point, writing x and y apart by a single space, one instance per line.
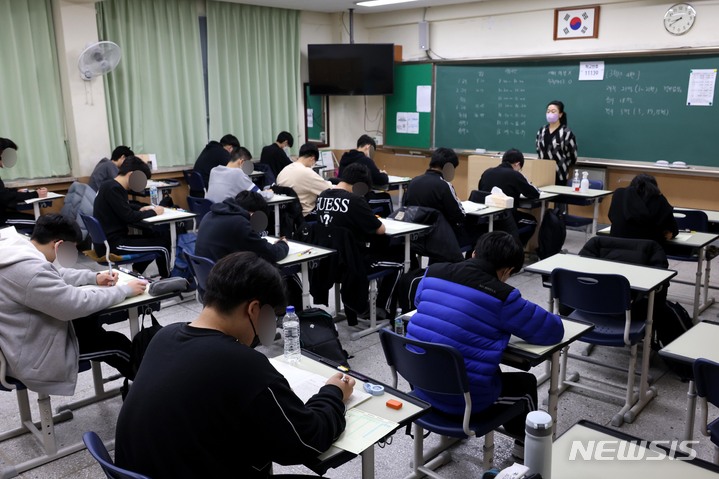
424 98
701 87
591 71
407 122
310 118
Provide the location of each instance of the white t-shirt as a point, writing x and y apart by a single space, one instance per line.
306 183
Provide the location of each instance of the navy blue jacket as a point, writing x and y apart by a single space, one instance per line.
466 306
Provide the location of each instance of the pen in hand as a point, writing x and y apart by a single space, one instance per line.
307 251
109 270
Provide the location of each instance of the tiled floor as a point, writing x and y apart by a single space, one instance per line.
662 419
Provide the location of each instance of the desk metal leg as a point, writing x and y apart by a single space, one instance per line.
553 397
400 194
305 271
36 210
491 223
595 217
691 411
646 393
173 244
134 319
277 219
407 245
698 286
368 463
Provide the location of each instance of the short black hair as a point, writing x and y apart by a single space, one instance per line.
285 136
121 150
500 250
310 149
230 140
242 153
646 185
252 201
133 163
442 156
513 156
366 140
55 227
241 277
6 143
356 173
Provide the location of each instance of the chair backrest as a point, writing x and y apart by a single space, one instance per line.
199 206
194 180
706 378
200 267
97 235
478 196
596 293
97 449
691 220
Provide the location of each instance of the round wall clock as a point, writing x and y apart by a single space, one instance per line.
679 18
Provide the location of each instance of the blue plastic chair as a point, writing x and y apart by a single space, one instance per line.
199 206
706 380
97 449
200 268
605 301
97 235
195 183
688 220
440 369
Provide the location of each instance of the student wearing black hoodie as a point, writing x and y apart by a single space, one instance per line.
363 155
641 211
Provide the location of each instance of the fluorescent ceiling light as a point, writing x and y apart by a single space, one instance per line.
378 3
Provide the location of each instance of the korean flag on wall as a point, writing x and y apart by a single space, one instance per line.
576 23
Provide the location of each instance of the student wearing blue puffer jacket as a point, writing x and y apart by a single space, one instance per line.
469 306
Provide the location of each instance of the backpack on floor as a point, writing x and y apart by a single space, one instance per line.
407 289
552 233
670 323
319 335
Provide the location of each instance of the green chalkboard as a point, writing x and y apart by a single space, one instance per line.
638 111
314 116
407 77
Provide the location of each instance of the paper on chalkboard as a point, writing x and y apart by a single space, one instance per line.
424 98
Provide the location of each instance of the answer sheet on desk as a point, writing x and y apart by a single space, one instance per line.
470 206
306 384
295 248
363 430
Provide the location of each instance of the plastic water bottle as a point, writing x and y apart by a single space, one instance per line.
154 196
575 181
399 323
291 335
538 443
584 185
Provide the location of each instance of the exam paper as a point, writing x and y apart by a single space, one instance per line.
470 206
363 429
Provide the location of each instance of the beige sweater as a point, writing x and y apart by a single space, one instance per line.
306 183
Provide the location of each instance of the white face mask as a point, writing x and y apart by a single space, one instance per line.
65 254
287 151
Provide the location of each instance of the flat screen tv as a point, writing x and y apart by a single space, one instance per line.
351 69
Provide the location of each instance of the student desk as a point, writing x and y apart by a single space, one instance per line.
591 194
302 254
132 305
641 278
588 435
541 202
411 409
35 202
523 355
700 241
480 210
395 228
698 342
712 216
399 182
171 216
276 201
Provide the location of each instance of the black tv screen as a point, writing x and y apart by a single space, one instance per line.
351 69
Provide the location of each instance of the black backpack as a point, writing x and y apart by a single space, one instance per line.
552 233
142 340
319 335
669 323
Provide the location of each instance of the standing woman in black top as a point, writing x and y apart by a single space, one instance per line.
555 141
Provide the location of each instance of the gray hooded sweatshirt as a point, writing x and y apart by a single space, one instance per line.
37 302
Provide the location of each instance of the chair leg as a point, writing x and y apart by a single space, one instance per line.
99 385
716 454
373 326
488 451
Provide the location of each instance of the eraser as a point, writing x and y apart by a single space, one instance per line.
394 404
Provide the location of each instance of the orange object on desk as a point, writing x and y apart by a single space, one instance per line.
394 404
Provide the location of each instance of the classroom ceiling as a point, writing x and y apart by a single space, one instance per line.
336 6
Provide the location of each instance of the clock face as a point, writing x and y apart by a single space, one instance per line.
679 18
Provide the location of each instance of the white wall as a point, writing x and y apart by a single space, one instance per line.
488 29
